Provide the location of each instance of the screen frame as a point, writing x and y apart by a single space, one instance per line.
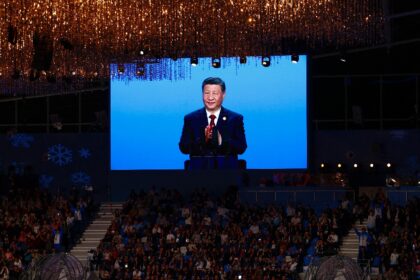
309 132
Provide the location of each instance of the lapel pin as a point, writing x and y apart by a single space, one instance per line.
224 118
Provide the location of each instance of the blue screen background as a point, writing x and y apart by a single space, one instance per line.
147 115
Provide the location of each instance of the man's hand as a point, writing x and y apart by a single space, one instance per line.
208 132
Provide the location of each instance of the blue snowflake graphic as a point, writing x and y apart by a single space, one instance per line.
84 153
45 180
21 140
80 178
60 155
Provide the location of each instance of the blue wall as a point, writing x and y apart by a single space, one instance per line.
60 160
64 160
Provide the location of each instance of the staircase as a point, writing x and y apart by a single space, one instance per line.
95 231
350 245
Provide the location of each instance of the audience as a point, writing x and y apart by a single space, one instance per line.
35 223
159 234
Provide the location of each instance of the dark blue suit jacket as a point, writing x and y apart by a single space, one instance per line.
230 125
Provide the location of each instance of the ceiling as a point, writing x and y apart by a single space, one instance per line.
396 53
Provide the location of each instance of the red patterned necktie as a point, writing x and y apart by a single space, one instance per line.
212 124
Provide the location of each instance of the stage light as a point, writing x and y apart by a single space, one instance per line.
144 50
266 61
392 182
355 165
121 69
194 61
295 58
216 62
242 59
339 165
322 165
371 165
388 165
343 57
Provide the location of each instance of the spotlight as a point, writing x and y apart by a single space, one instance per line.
322 165
216 62
194 61
371 165
392 182
343 57
242 59
295 58
355 165
266 61
388 165
144 50
339 165
121 69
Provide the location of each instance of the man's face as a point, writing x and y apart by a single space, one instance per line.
213 97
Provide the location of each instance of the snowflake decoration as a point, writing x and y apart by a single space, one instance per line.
45 180
60 155
84 153
80 178
21 140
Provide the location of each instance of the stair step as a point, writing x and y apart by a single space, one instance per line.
349 250
350 243
92 239
79 251
94 235
99 226
96 231
113 207
101 222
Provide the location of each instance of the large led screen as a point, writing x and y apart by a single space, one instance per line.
147 114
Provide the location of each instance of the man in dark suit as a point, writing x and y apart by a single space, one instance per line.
213 130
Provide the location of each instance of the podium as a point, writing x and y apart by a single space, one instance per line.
214 163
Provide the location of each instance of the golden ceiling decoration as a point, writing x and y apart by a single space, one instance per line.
57 38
